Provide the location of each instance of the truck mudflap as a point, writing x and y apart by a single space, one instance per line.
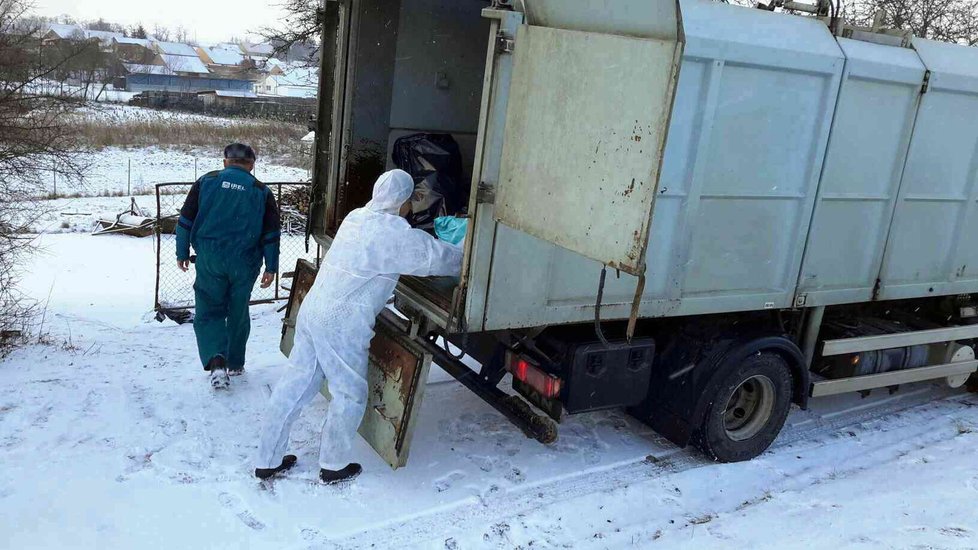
396 375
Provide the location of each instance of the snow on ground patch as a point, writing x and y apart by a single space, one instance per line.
110 437
117 170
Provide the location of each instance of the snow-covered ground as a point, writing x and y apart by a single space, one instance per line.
111 438
117 170
134 173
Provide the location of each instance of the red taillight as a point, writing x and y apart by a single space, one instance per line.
546 384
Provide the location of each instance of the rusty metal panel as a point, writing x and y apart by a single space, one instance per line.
585 131
305 275
396 377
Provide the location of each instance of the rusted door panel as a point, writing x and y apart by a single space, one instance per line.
396 377
585 130
305 275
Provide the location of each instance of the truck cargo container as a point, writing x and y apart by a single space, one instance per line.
702 213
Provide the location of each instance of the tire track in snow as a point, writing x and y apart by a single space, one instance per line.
488 509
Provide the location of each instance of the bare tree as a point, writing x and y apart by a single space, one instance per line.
300 28
35 139
161 33
181 34
945 20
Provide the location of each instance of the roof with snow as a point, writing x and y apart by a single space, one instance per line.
297 76
66 31
133 41
74 32
185 64
229 93
139 68
105 36
264 49
222 56
175 48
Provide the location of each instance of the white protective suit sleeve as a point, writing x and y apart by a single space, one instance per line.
422 255
335 324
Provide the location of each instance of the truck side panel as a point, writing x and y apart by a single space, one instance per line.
931 249
863 168
747 138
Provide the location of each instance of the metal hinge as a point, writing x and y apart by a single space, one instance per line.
505 43
926 85
878 286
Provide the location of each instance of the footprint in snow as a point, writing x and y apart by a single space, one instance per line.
959 532
236 506
445 483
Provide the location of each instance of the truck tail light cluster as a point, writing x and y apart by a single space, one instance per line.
544 383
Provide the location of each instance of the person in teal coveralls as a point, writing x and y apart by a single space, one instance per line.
231 220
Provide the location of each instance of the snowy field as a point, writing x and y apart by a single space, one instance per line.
133 173
110 437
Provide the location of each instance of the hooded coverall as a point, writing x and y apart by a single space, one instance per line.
232 221
373 246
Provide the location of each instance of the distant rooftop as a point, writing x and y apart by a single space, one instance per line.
185 64
224 56
139 68
175 48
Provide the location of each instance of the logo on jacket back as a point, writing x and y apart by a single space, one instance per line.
235 186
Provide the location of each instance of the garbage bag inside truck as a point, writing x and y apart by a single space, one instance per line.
435 163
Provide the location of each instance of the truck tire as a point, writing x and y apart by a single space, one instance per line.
748 409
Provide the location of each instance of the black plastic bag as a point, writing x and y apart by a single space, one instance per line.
435 163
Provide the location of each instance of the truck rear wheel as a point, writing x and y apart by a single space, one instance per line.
748 409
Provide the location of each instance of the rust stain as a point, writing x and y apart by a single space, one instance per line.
630 190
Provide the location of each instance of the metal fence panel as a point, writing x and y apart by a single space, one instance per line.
175 289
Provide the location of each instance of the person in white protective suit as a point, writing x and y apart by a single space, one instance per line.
373 247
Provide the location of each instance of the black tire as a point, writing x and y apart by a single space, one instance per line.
740 427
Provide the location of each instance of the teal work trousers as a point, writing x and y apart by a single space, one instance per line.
222 291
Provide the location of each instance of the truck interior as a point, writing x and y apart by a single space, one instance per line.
416 66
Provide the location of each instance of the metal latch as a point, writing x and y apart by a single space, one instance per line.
801 300
926 85
505 43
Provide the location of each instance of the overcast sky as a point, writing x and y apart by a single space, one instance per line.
208 20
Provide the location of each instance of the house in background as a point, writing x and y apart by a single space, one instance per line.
57 32
134 50
295 82
223 60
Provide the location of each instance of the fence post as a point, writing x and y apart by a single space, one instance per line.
278 204
195 168
54 176
159 244
129 180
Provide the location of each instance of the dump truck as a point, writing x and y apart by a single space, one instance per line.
700 213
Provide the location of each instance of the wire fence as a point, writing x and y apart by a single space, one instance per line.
175 289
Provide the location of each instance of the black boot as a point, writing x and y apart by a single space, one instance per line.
349 472
287 462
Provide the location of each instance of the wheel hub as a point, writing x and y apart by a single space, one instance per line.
749 408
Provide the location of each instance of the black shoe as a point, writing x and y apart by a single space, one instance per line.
216 362
329 477
287 462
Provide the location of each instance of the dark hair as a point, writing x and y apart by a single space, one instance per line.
239 151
